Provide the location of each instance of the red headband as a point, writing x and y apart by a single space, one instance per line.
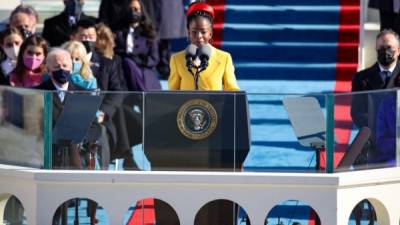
200 6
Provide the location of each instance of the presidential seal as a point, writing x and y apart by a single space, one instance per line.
197 119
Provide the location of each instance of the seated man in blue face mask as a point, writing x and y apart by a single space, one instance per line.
59 67
58 29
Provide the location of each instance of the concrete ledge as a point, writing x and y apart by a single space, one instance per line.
333 196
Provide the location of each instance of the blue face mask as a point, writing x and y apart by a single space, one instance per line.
76 67
61 76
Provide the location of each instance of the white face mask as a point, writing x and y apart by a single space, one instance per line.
12 53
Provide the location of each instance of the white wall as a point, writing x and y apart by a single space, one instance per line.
333 196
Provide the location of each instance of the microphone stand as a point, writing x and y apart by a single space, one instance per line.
201 68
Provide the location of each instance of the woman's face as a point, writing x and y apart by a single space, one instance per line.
34 51
200 31
13 40
76 58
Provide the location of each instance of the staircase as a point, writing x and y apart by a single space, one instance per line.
289 46
289 39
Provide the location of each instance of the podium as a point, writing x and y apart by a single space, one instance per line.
196 130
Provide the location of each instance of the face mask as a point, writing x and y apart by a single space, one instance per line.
73 8
25 32
61 76
89 46
76 67
135 17
385 56
32 63
12 53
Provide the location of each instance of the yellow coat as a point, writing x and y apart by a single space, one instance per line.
219 75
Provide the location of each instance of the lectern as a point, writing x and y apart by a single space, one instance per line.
196 130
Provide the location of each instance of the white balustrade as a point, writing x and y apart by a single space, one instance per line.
332 196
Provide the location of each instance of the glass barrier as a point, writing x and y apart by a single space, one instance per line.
365 130
97 130
191 131
287 133
199 131
21 127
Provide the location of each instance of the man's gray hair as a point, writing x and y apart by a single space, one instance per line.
53 52
27 9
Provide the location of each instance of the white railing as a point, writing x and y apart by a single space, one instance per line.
332 196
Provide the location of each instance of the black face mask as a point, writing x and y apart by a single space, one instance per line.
385 56
89 46
135 17
73 8
61 76
25 32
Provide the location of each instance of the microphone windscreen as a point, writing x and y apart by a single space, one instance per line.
205 51
191 50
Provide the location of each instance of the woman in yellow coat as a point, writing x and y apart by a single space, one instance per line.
220 72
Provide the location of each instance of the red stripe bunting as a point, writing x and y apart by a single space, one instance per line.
219 7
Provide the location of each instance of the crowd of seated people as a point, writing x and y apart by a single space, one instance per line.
103 56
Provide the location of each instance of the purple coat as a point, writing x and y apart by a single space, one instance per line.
145 56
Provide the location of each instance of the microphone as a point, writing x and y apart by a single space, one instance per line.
190 55
204 53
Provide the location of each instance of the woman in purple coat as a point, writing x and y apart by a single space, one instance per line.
137 42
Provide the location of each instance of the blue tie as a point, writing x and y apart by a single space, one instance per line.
387 77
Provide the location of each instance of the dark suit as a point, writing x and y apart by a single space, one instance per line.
57 29
366 80
3 79
389 16
108 78
114 12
